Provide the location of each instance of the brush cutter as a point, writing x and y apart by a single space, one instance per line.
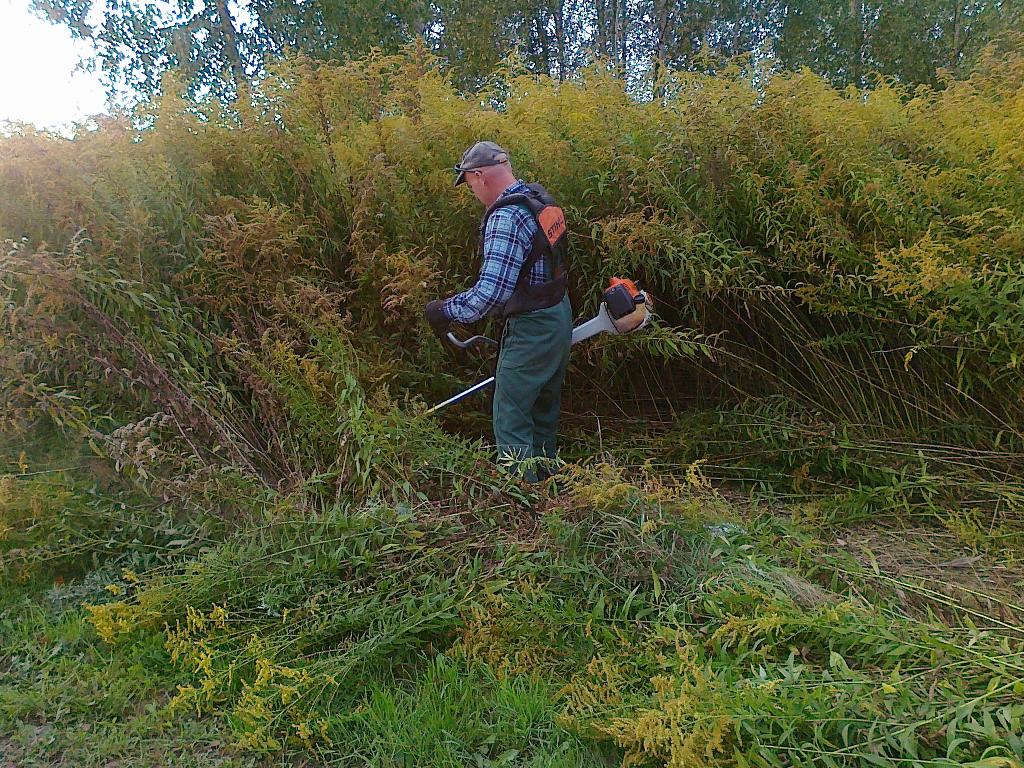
624 308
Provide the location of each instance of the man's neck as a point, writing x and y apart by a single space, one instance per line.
507 190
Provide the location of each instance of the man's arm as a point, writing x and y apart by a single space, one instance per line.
507 240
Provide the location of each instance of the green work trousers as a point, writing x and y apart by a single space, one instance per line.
528 388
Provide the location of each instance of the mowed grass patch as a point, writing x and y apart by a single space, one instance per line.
68 699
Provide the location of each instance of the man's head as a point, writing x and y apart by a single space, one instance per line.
486 169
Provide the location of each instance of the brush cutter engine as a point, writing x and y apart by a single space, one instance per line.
624 308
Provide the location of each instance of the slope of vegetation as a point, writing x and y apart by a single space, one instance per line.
790 525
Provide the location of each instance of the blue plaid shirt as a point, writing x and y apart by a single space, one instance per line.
508 239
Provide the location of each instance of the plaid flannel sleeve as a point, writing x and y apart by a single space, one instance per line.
507 241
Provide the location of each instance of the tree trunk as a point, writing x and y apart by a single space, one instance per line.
660 45
613 28
560 38
602 27
420 15
226 26
542 39
857 54
620 31
954 58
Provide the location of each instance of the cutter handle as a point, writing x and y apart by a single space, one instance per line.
472 341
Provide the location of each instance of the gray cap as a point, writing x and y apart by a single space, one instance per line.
480 155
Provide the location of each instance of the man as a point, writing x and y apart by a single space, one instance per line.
522 279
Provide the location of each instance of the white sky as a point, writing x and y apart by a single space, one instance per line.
38 81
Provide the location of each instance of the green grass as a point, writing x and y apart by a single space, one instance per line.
68 699
616 621
638 615
456 714
234 535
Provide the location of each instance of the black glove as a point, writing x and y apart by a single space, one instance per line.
437 319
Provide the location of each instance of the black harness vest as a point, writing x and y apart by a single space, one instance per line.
550 240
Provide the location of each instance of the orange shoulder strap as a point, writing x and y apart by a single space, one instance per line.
552 223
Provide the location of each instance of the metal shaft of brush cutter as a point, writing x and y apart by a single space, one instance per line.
602 322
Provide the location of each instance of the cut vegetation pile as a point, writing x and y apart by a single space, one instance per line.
791 524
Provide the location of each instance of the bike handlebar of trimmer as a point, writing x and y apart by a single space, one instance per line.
471 341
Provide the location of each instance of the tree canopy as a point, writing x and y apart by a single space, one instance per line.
219 46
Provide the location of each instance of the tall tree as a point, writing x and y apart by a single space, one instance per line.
219 45
909 40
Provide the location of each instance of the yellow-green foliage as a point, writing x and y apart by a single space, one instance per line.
787 211
678 639
687 724
226 304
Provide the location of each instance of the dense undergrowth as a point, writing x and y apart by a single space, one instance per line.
214 372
